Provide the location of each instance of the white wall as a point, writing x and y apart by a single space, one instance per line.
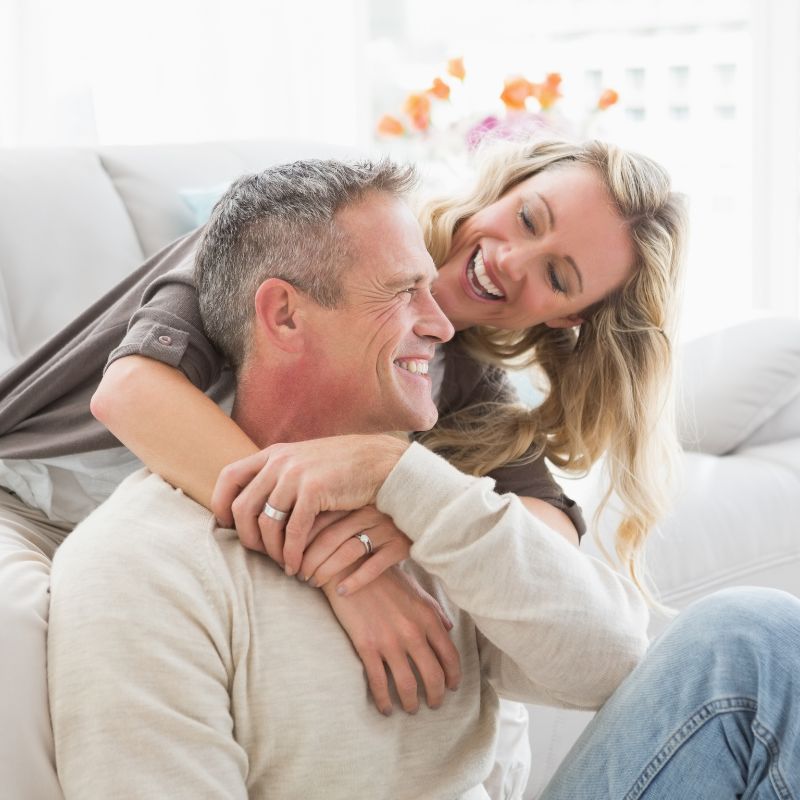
89 71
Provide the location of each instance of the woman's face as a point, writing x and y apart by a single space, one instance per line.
546 250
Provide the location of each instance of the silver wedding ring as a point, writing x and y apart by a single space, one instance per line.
365 540
273 513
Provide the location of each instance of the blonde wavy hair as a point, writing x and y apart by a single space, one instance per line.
610 380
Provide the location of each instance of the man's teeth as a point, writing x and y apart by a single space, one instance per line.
479 271
418 367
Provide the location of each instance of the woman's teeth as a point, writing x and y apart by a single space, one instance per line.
418 367
476 271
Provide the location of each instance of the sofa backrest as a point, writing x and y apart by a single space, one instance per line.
65 237
73 222
154 182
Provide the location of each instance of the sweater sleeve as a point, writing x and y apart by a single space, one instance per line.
555 626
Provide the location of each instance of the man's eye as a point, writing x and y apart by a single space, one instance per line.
526 219
411 291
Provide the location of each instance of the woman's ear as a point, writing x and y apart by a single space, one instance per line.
278 314
571 321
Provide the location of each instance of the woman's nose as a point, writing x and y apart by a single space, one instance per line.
510 263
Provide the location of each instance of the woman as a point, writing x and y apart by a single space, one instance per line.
557 236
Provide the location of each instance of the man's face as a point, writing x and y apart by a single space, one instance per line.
371 354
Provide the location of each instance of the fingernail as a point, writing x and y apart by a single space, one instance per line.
341 590
313 582
289 571
387 712
302 577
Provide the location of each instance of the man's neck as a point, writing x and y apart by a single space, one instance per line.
286 406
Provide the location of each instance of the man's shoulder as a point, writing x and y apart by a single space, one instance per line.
143 507
146 534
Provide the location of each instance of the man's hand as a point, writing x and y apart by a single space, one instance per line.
392 621
334 548
302 479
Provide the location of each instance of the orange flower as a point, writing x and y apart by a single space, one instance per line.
547 93
607 99
418 108
390 126
455 67
515 92
439 89
553 79
421 122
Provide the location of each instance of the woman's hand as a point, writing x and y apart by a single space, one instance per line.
302 479
392 621
334 548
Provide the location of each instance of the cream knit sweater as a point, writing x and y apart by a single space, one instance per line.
184 666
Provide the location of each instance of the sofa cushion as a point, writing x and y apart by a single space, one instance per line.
733 382
9 349
784 424
151 179
202 201
66 236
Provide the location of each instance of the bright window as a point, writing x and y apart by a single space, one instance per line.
708 87
687 74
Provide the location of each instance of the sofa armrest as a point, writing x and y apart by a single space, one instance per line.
734 382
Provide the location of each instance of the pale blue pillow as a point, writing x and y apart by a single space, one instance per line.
202 201
529 395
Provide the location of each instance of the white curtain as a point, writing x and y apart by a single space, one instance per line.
101 71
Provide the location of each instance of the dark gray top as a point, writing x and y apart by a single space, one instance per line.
44 400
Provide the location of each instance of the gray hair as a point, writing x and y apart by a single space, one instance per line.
281 223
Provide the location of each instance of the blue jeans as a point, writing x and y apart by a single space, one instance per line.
711 713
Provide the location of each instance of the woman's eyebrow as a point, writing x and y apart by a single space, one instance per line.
552 222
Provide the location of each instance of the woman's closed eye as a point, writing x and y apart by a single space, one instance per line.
526 219
555 283
552 275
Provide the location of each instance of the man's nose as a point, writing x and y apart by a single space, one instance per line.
433 323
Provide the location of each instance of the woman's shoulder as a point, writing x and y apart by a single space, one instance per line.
468 381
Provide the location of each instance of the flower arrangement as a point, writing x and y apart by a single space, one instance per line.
520 119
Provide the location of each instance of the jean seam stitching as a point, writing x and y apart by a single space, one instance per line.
684 733
770 742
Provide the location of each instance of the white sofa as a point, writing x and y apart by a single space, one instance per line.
73 222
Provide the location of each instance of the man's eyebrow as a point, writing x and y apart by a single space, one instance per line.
552 222
401 280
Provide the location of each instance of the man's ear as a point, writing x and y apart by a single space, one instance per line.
278 314
564 322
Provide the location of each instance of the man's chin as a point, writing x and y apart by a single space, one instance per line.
409 420
424 420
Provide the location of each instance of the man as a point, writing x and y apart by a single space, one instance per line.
183 665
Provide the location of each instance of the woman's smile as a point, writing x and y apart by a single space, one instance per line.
478 280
